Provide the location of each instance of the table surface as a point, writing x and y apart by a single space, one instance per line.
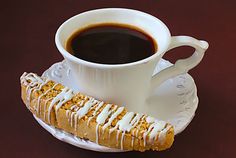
27 44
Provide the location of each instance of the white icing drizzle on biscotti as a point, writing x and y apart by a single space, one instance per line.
34 79
31 81
117 136
153 130
124 123
28 98
136 119
122 140
71 114
85 109
134 133
71 119
73 107
68 111
132 139
129 121
65 95
38 87
75 121
43 94
102 117
68 115
129 126
157 127
113 116
162 135
45 108
97 128
95 112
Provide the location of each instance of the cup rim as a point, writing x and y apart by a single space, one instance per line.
69 56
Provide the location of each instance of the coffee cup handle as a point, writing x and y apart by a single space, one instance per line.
181 66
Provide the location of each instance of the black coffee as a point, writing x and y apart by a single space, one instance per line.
111 44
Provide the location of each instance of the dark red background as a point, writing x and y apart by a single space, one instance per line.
27 44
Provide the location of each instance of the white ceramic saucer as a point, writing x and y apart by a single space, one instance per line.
175 101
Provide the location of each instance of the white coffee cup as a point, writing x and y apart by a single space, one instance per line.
129 84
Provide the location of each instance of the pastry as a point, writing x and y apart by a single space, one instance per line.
83 116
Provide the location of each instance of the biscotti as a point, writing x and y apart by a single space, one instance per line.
84 116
